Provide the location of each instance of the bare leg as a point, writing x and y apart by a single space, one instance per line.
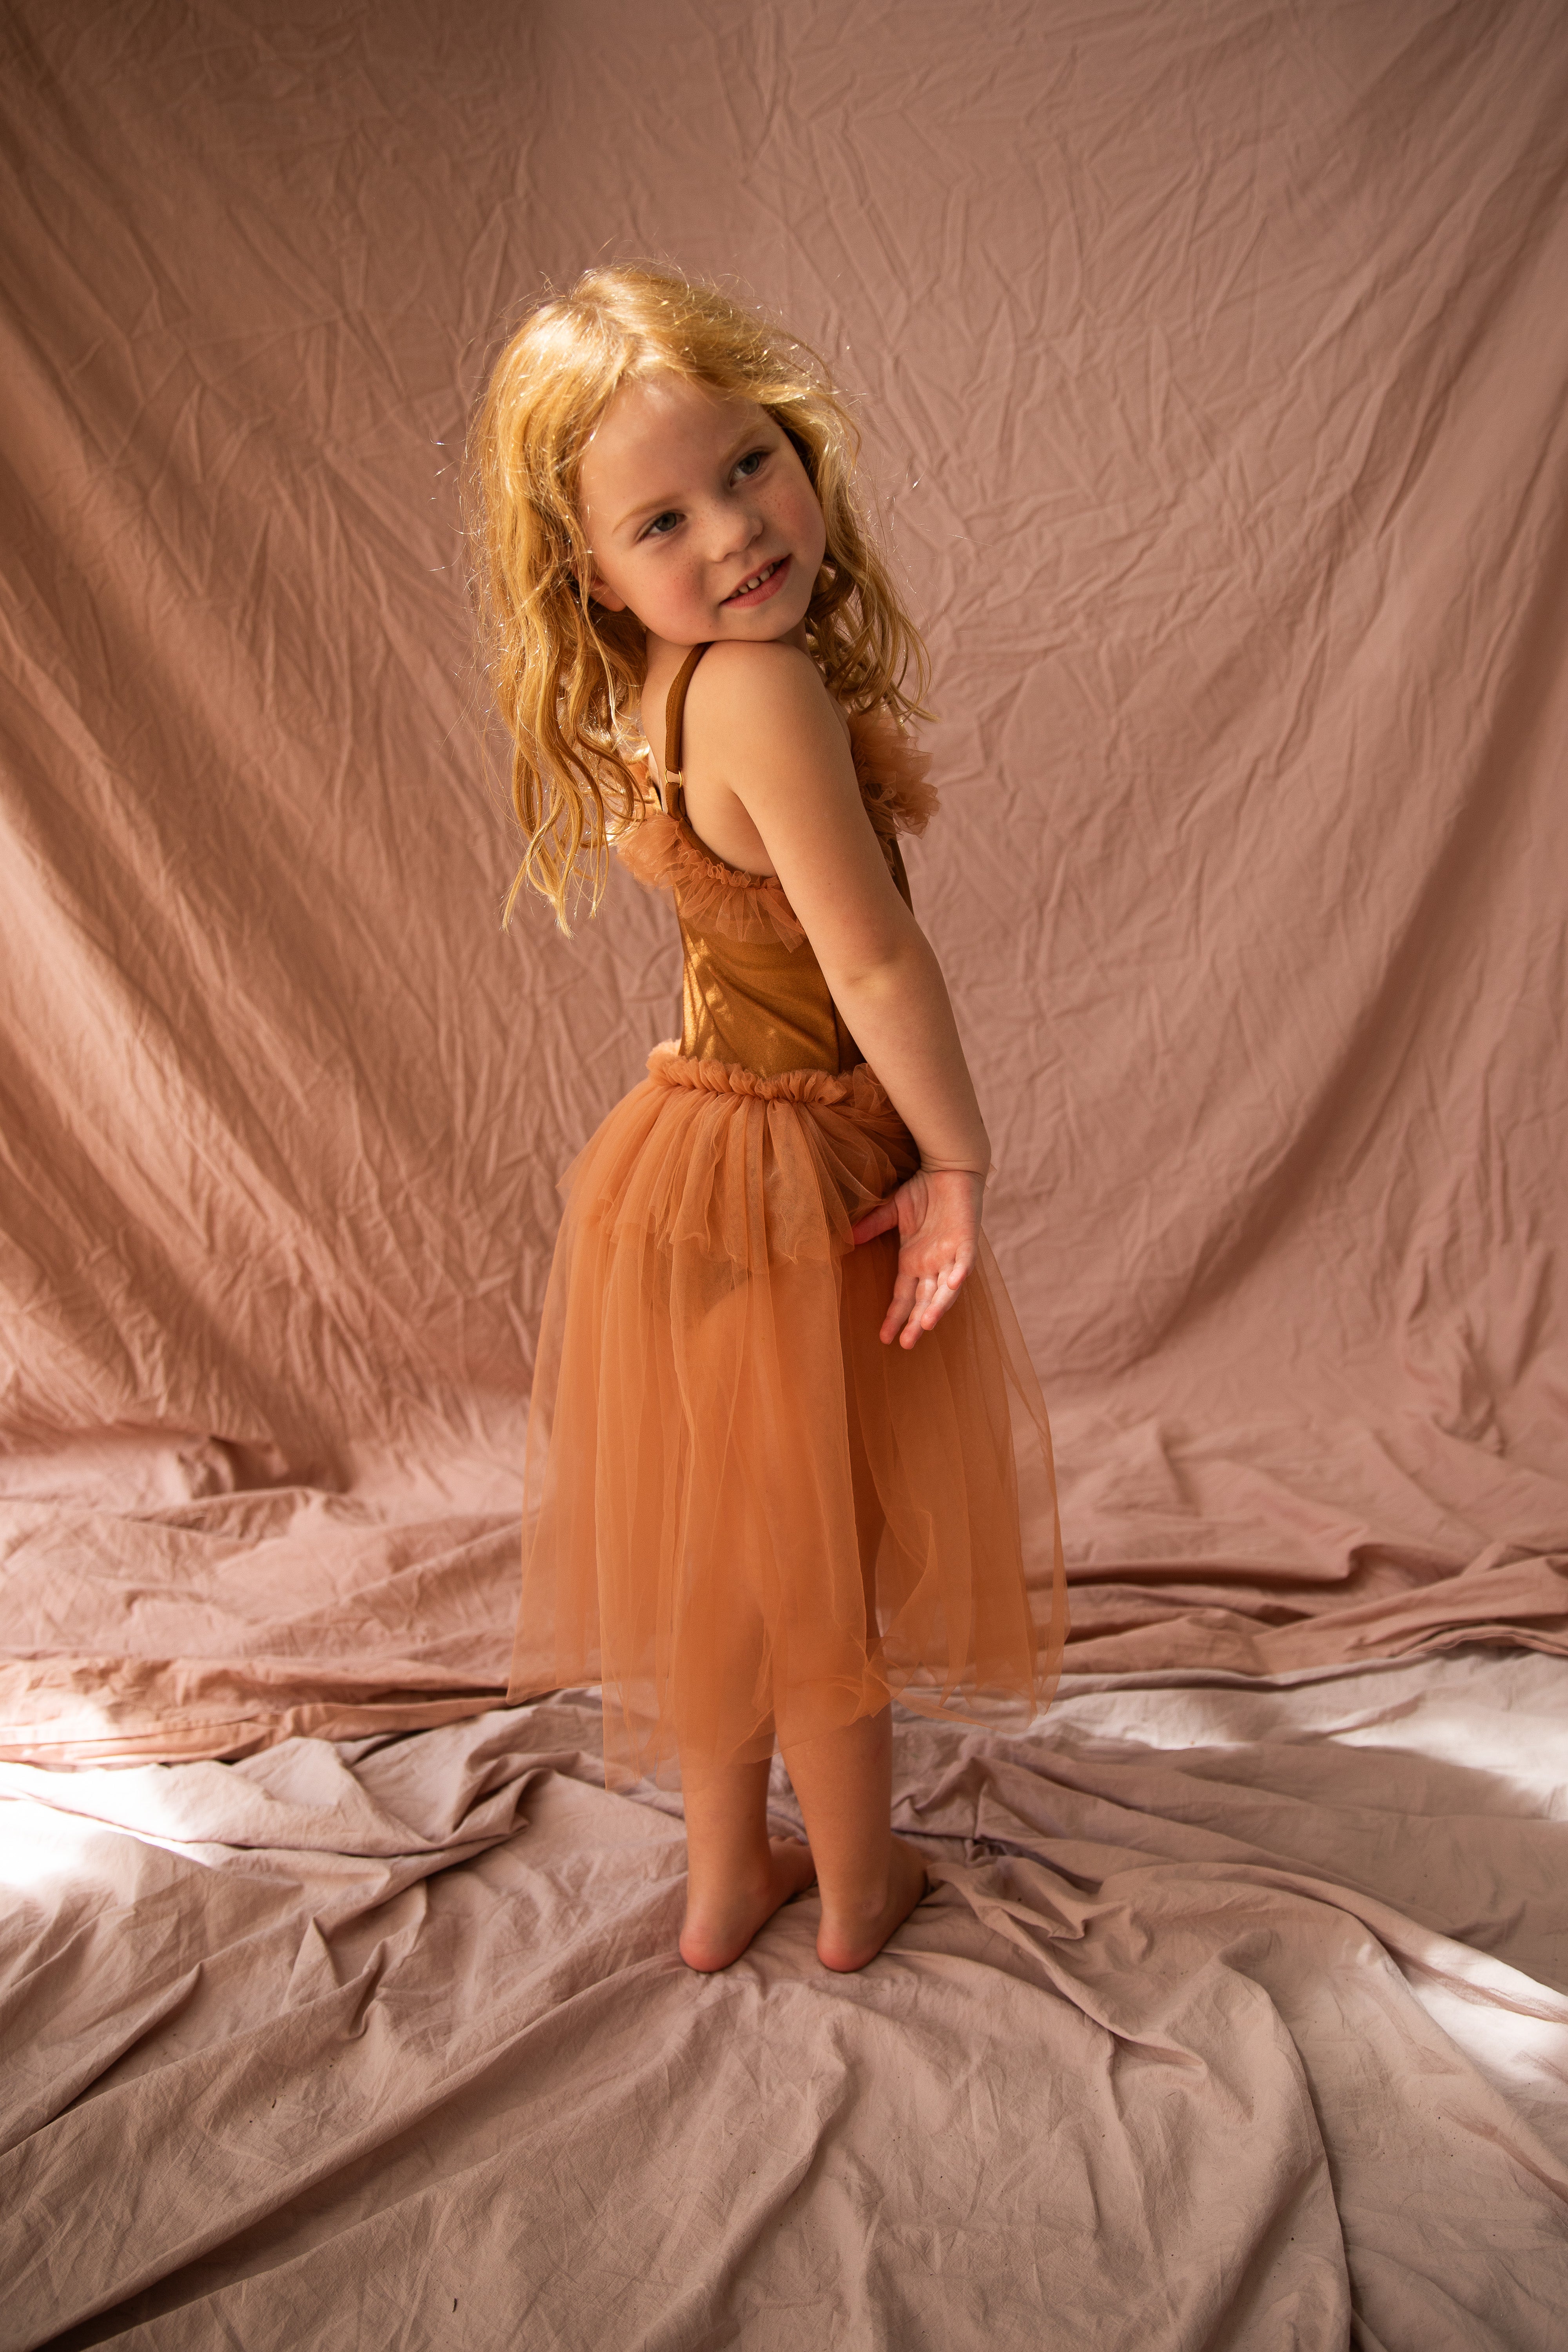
737 1876
871 1880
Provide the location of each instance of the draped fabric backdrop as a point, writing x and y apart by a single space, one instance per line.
1211 359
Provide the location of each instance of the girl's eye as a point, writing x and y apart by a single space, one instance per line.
662 525
750 463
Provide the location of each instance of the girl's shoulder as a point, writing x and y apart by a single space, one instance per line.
758 689
738 695
764 693
756 662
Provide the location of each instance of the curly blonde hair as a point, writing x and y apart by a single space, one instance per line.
564 672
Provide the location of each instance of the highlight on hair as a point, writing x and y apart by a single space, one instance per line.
564 673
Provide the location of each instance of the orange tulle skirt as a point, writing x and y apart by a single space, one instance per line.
745 1517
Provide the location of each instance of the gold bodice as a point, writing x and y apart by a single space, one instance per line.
754 994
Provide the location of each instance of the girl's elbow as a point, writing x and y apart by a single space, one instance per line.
882 967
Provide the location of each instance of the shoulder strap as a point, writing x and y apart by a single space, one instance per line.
674 711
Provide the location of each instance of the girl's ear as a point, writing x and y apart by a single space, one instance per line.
598 592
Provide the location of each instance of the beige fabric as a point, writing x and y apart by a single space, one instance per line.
1235 2011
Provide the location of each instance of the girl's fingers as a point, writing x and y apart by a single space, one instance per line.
929 1307
922 1300
879 1220
898 1306
928 1300
894 1320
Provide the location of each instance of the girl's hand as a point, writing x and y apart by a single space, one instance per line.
937 1214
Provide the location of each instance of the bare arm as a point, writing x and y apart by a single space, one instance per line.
766 754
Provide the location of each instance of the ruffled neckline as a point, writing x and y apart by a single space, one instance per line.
663 852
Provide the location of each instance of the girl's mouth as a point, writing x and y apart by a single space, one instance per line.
762 584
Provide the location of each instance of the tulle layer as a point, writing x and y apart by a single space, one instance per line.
894 773
664 856
745 1517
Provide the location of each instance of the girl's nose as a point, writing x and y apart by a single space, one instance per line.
734 527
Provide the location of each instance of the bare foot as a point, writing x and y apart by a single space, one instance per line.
719 1928
848 1939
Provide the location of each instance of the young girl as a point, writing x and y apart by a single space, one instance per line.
783 1423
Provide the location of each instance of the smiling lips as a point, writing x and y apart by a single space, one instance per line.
761 584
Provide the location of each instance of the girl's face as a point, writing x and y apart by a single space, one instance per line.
702 518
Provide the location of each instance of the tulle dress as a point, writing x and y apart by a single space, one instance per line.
744 1516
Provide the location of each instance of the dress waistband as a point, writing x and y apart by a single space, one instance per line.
858 1090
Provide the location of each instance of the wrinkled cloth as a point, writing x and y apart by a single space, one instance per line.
221 1627
1237 2017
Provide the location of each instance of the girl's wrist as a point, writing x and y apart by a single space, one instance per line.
929 1167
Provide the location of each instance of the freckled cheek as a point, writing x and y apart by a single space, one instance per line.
689 585
808 527
679 603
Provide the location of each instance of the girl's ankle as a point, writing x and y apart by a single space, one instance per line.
747 1881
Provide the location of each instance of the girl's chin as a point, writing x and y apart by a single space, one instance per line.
758 628
762 624
753 624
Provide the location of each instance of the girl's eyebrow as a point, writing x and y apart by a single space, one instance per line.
648 507
637 514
